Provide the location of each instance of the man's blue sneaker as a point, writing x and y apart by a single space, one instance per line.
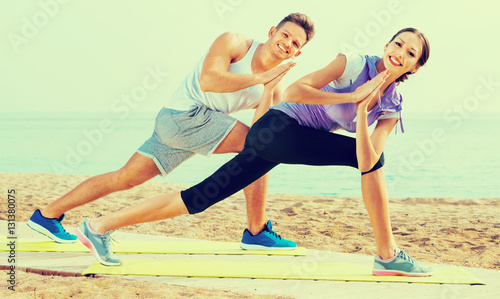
267 239
400 265
51 227
98 244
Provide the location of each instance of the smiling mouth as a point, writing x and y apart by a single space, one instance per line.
282 49
394 61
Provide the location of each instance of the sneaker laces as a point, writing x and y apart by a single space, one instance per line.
405 256
108 240
274 233
60 227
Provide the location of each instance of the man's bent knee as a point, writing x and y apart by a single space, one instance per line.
234 142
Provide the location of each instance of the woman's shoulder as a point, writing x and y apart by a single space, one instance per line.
354 65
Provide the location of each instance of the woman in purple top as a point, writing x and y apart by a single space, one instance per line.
350 93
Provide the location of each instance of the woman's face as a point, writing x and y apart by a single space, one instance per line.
402 54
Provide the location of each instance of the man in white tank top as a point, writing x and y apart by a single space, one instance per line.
236 73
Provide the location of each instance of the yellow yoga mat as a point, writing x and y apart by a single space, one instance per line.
274 270
152 247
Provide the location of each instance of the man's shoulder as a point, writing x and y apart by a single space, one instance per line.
237 37
234 43
235 40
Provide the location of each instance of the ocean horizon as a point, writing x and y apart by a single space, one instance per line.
437 156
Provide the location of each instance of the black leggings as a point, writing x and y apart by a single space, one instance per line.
275 138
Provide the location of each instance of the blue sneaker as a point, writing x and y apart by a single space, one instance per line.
400 265
267 239
98 244
51 227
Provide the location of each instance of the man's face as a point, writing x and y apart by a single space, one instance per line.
287 41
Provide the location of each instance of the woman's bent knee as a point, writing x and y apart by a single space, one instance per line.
380 163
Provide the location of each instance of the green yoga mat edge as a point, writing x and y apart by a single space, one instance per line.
275 270
151 247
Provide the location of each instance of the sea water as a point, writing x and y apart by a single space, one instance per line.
433 158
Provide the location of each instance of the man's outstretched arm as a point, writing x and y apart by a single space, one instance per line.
215 76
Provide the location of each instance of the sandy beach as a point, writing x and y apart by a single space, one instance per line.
434 230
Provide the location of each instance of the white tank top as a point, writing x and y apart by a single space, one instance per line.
189 94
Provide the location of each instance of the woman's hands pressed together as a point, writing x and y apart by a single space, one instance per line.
367 92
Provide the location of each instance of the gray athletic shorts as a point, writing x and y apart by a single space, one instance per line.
179 135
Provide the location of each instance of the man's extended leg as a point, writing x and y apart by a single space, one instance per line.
138 170
167 205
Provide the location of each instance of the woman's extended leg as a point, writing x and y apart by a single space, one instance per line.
95 234
161 207
275 138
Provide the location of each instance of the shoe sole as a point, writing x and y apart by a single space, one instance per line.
81 236
40 229
260 247
399 273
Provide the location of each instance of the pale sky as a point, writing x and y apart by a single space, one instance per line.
59 56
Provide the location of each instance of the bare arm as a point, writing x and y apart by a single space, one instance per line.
370 148
227 48
272 95
307 90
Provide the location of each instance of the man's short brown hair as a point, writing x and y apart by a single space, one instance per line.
302 20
